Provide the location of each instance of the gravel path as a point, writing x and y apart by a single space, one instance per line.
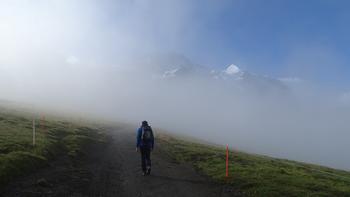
114 171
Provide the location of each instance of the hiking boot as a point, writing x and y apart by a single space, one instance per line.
148 171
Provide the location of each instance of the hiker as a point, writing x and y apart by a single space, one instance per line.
145 144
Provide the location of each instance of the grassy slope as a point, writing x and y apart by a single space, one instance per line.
17 154
256 175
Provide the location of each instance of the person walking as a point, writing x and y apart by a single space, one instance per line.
145 145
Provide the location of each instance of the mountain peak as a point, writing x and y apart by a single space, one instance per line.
232 69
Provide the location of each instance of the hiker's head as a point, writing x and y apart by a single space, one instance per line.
144 123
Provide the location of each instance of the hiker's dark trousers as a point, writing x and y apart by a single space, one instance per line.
145 157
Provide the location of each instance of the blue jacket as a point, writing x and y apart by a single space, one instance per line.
140 143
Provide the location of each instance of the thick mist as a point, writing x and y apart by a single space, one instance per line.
106 59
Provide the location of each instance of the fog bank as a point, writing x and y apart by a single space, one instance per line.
70 56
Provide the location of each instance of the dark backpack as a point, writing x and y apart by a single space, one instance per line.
147 134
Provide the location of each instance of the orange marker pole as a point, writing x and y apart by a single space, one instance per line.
42 124
226 160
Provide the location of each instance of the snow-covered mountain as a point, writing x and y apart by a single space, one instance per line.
172 66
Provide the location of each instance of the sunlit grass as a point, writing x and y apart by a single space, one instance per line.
53 137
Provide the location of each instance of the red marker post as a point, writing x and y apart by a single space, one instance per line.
226 160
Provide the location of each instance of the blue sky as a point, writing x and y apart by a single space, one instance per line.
306 39
295 38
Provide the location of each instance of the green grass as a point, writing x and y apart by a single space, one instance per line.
255 175
18 156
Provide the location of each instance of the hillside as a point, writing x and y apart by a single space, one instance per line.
54 138
257 175
82 159
85 159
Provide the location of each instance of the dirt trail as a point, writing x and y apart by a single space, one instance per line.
115 171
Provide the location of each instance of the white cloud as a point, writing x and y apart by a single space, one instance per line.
72 60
